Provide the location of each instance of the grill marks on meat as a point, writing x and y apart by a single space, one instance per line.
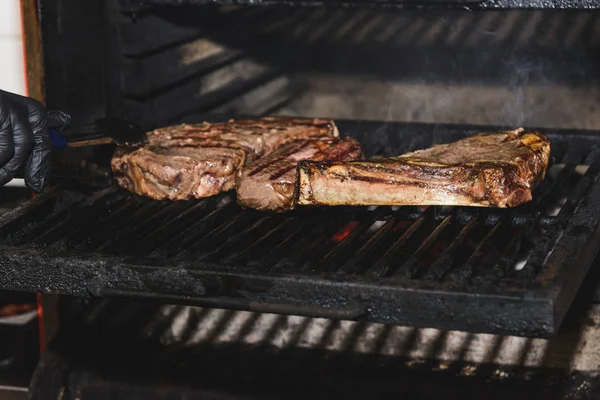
487 170
177 173
201 160
269 182
260 136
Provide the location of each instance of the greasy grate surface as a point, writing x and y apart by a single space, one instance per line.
504 271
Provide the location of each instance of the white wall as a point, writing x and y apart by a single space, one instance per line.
12 76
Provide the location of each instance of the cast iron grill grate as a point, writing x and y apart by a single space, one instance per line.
503 271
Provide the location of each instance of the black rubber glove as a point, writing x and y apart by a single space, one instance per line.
24 140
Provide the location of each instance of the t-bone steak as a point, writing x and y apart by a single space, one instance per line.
488 170
269 182
200 160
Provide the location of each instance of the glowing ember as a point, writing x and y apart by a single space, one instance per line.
435 252
10 310
402 226
345 231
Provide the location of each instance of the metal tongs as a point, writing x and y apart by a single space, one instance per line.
95 133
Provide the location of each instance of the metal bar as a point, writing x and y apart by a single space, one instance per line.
381 268
29 234
78 221
177 223
353 264
329 261
557 186
412 265
232 241
509 257
83 232
437 270
130 236
21 216
453 4
185 237
352 310
316 241
535 262
464 271
261 243
115 223
215 236
274 256
502 269
575 152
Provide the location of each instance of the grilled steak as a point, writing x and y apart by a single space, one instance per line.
268 183
260 136
185 161
177 173
488 170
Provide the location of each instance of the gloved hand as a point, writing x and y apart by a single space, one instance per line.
24 140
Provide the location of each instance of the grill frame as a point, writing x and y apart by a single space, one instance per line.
536 309
135 5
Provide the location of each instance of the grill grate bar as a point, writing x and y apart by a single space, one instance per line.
152 239
558 187
83 232
133 232
107 231
106 203
261 243
410 268
276 256
461 274
30 233
186 236
215 236
575 152
515 248
43 208
536 261
382 267
236 240
506 265
306 248
355 263
440 267
330 261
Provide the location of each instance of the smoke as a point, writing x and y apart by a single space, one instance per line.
517 108
545 89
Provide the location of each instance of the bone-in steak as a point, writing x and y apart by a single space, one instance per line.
268 183
200 160
488 170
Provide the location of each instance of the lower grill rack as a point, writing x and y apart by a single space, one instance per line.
512 271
